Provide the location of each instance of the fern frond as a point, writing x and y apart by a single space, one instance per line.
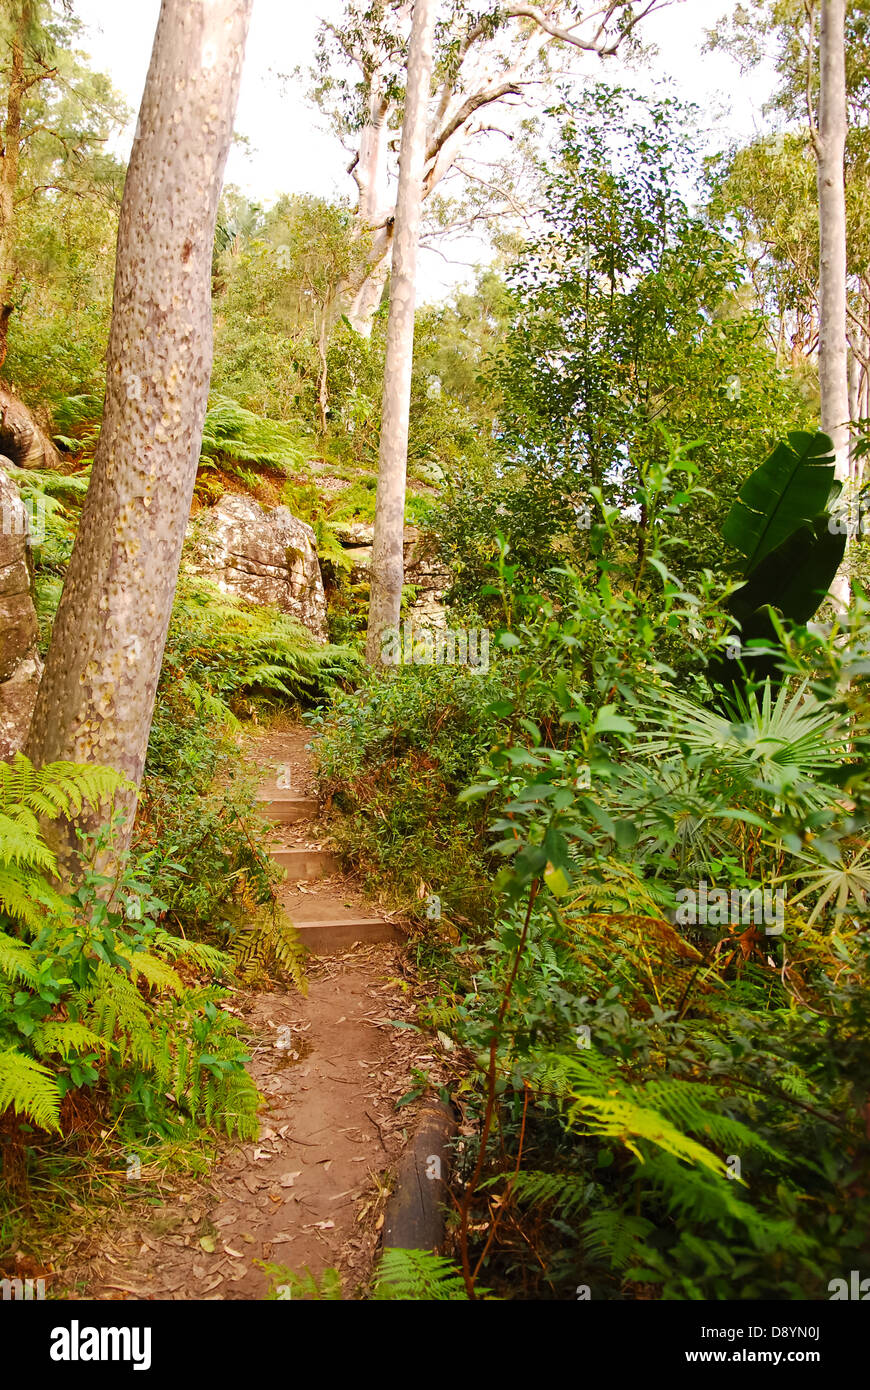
418 1275
30 898
566 1193
200 955
114 1008
66 1036
616 1237
156 972
16 961
30 1089
269 940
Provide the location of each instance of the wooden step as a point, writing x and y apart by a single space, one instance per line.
287 810
327 935
302 863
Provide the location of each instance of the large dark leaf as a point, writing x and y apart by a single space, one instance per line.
790 489
795 576
794 579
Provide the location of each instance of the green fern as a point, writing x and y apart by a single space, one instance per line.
269 941
565 1193
418 1275
113 1007
16 961
285 1284
30 1089
26 794
57 789
616 1237
157 973
65 1037
233 436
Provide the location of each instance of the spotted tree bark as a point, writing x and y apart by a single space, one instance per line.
96 699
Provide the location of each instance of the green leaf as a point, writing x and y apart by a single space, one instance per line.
557 881
607 721
788 490
794 578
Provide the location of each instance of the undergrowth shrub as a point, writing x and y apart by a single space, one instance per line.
392 757
99 1004
665 1108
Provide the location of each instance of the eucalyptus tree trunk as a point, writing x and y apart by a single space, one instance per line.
829 140
387 571
16 86
96 699
830 145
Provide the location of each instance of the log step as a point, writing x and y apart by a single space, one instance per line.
306 863
287 810
327 935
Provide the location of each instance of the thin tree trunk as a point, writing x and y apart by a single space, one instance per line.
829 141
323 373
830 144
9 177
364 294
387 571
96 699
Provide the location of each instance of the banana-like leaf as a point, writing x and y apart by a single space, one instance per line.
794 577
790 489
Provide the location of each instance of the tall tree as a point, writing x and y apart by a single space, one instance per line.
387 572
488 56
96 699
56 116
627 316
819 49
829 143
22 31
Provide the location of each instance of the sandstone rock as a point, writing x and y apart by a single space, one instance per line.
354 533
430 579
267 557
21 438
360 557
20 665
421 569
17 699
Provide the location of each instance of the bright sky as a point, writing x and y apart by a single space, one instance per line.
288 150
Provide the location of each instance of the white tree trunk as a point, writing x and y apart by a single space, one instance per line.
830 147
830 151
367 295
96 699
491 60
387 571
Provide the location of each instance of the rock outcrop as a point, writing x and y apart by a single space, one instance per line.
20 664
267 557
430 579
21 438
421 568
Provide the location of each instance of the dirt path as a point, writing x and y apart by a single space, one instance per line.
310 1191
